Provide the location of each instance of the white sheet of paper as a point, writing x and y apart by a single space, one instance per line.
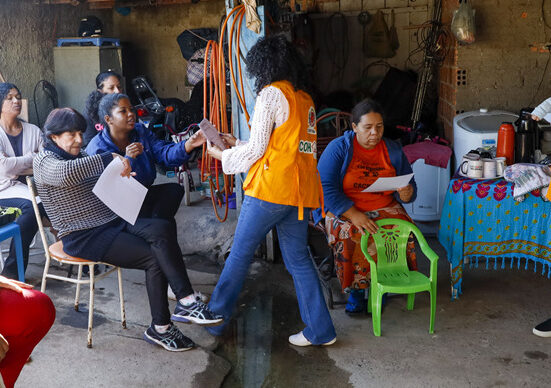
123 195
389 184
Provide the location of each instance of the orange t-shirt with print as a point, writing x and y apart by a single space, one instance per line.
364 169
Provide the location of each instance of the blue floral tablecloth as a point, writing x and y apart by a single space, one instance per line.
481 221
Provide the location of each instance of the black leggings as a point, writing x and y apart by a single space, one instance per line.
150 244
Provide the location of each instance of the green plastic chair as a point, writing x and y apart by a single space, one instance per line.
391 272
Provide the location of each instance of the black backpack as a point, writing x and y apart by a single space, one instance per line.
90 26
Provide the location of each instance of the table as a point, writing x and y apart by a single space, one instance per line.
12 230
481 221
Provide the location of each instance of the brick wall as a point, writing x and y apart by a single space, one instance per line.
498 71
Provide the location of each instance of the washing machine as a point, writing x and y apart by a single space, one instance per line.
475 129
432 183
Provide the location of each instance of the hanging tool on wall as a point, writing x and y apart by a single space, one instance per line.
215 110
433 55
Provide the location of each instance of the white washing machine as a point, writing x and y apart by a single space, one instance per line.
432 183
472 130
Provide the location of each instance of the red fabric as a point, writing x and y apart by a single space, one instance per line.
437 155
24 321
365 168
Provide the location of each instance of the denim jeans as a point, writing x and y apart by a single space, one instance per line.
256 219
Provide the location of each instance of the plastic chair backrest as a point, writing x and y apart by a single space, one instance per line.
391 244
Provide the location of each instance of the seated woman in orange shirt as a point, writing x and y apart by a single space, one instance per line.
349 165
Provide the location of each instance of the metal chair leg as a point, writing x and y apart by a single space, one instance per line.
45 273
121 296
91 305
79 278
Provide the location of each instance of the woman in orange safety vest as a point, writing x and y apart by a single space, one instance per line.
282 185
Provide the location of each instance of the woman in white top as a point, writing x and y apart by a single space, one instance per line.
19 142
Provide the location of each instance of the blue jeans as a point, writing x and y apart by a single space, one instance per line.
256 219
28 225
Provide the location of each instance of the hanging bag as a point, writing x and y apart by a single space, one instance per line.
394 42
463 27
377 42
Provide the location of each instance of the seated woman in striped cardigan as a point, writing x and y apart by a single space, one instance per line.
64 177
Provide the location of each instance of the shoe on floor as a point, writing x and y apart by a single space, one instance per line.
300 340
172 340
197 312
543 329
356 303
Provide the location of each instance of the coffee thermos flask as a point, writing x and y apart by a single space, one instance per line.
525 137
506 142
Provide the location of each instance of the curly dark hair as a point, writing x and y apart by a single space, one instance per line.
273 58
92 105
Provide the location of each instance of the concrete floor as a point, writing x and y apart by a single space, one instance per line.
483 339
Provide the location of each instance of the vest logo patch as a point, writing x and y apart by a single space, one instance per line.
308 147
311 121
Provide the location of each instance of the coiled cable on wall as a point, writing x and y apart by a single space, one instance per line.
51 95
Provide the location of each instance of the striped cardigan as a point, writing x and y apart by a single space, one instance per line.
65 188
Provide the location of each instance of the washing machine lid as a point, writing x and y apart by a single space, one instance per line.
486 123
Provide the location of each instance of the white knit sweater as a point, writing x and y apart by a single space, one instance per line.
270 111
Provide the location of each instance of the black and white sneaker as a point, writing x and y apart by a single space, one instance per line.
197 312
543 329
172 340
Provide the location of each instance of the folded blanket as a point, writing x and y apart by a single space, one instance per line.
527 178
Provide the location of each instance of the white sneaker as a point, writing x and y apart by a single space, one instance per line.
300 340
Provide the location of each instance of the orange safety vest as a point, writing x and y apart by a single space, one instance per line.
287 172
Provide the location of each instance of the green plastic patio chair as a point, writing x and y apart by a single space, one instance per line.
391 272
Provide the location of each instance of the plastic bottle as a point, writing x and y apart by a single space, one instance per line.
506 142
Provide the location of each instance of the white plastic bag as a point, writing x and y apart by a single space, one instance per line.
463 27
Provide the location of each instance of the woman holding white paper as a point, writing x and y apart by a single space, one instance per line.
65 177
349 165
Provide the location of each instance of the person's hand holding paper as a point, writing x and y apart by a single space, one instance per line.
394 183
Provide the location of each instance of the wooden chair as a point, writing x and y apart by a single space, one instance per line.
55 251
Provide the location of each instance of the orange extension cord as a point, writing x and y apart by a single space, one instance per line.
214 107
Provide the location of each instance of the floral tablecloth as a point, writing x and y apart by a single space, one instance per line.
482 222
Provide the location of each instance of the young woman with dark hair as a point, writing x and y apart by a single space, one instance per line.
348 165
282 186
65 177
19 143
123 136
107 82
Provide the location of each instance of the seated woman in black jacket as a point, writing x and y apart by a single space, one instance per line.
64 177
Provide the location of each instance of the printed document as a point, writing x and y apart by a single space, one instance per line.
389 184
123 195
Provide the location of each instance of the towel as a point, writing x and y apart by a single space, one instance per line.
527 177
